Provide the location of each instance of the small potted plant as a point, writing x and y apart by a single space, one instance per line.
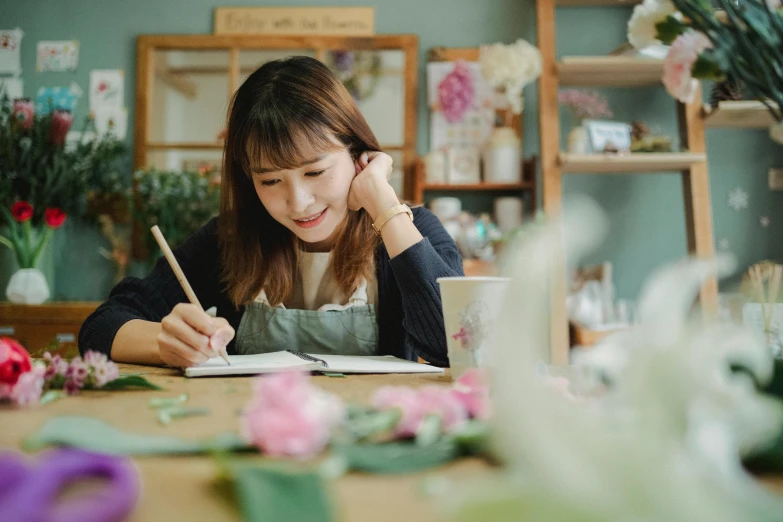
582 105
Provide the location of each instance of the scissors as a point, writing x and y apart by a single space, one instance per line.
30 491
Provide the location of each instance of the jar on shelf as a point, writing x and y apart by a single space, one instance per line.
502 157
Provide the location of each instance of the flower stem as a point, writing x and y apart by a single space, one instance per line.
41 244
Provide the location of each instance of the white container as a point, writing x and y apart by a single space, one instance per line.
470 307
464 168
27 286
508 213
435 168
578 141
502 157
446 208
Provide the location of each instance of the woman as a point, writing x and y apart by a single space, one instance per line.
294 260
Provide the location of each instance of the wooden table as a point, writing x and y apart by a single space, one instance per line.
181 488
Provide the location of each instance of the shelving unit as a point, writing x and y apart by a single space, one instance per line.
609 71
614 71
633 163
745 114
528 184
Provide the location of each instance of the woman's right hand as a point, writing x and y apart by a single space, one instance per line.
189 336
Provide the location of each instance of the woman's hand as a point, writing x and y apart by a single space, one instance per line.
189 336
370 188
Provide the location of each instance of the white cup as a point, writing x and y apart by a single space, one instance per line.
508 213
471 306
446 208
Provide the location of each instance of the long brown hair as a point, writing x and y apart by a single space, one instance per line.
285 113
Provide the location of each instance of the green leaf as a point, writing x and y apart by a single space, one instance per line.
129 381
429 431
165 415
267 494
669 29
472 437
397 457
97 435
51 396
167 402
706 68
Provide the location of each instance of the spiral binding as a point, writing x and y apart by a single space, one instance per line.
308 357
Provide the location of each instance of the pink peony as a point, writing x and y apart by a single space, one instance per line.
472 392
440 401
456 92
404 399
287 415
415 405
27 389
684 52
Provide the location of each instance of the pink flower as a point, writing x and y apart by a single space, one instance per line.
684 52
440 401
406 401
473 393
55 365
28 388
456 93
584 104
103 370
415 405
76 376
287 415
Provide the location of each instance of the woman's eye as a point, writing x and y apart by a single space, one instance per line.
316 173
269 182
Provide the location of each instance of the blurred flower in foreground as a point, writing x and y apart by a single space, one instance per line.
662 444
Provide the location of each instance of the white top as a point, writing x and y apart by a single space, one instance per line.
316 287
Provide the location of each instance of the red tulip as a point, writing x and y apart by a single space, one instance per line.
23 112
14 361
54 217
22 211
61 124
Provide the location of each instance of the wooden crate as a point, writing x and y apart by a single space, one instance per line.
50 326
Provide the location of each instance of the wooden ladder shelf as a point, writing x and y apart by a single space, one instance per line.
615 71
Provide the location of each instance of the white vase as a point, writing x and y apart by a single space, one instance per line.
578 141
502 157
27 286
776 132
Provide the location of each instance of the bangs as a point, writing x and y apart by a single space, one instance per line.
272 144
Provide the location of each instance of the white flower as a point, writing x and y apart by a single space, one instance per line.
641 26
511 67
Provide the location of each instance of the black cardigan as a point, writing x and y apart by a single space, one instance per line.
409 314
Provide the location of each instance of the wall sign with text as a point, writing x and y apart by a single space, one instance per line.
331 21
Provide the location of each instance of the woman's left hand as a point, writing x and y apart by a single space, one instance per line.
370 188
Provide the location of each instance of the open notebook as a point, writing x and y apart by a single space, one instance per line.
284 361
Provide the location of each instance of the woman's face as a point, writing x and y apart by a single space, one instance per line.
310 200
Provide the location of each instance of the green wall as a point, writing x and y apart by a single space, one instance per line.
646 211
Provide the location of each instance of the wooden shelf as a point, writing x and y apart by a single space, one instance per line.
750 114
597 3
609 71
629 163
483 186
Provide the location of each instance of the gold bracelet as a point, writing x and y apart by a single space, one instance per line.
386 216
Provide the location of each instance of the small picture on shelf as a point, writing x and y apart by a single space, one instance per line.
608 136
464 166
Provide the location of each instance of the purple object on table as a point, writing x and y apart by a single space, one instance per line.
29 492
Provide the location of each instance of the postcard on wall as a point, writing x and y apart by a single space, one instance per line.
50 98
476 125
107 89
12 87
58 56
111 120
10 49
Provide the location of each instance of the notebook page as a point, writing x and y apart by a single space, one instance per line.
251 365
374 364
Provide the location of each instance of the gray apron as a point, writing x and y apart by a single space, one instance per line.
332 329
